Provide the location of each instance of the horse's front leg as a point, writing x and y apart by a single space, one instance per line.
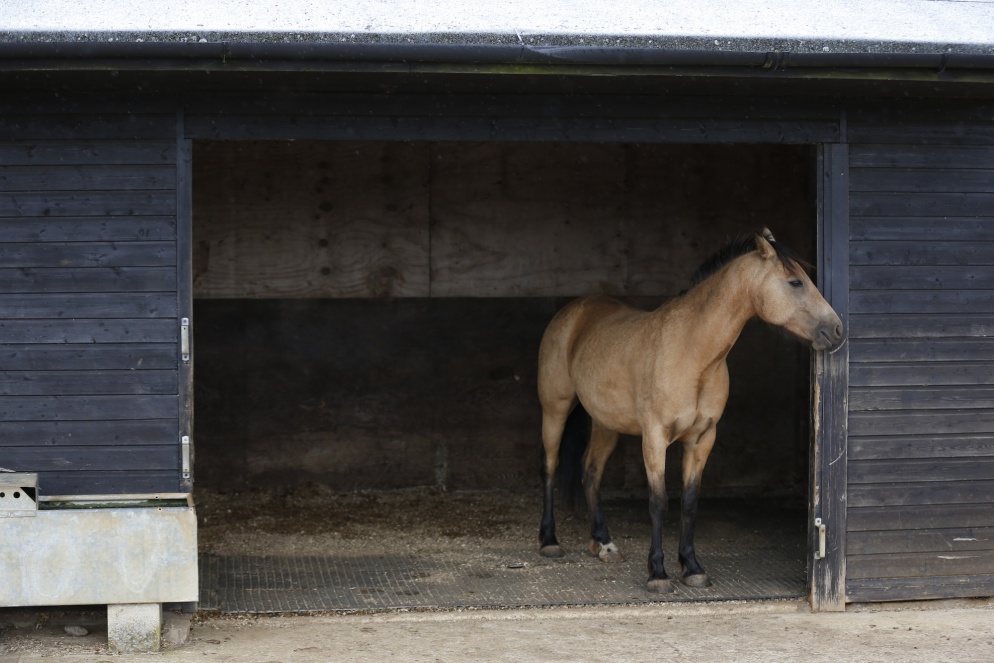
695 455
654 454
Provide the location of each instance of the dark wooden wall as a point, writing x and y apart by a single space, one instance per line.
89 375
369 313
921 453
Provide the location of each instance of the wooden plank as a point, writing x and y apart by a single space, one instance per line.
89 229
116 458
122 433
911 398
829 463
920 565
922 374
90 357
921 156
934 133
913 350
89 331
948 540
923 517
184 291
921 204
81 383
94 280
927 423
77 127
311 220
921 326
472 104
87 178
935 446
86 408
915 470
922 228
503 128
88 254
89 305
66 153
88 203
110 483
570 219
919 253
917 589
920 301
876 277
909 494
938 179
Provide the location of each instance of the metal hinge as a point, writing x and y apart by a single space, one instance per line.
184 338
185 452
822 531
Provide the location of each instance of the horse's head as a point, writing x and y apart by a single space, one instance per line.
786 297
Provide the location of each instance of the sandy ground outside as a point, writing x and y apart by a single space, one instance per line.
764 631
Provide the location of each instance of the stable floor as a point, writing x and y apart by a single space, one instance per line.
311 550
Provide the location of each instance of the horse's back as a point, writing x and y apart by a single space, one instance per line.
585 323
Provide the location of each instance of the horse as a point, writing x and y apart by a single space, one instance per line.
663 374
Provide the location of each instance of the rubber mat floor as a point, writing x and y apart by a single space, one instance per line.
746 558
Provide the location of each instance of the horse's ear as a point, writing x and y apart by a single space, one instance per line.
766 250
768 235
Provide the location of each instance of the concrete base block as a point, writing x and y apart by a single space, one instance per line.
175 627
134 628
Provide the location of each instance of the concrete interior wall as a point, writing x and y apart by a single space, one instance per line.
367 315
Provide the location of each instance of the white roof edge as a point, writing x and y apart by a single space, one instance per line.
838 26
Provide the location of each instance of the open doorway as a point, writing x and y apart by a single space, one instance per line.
367 318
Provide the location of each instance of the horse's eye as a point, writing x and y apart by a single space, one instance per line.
796 283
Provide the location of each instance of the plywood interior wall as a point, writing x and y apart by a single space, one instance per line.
365 219
368 314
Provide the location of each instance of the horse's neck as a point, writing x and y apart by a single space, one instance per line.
715 311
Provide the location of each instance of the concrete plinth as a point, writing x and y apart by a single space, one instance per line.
134 628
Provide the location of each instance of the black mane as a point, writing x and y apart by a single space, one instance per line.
740 245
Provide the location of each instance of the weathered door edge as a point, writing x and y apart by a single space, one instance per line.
184 294
831 384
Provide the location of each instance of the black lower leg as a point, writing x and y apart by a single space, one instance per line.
657 511
547 530
688 519
598 526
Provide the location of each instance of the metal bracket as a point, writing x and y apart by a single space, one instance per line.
185 447
184 338
822 532
18 495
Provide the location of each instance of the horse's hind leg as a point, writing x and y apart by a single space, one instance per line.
602 443
695 455
554 417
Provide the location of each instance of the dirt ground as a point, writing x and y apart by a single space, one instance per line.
313 520
766 632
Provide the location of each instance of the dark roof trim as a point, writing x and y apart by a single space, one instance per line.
189 55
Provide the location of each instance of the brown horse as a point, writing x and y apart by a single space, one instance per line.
663 375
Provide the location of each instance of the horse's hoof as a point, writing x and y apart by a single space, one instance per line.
606 552
551 551
660 585
699 580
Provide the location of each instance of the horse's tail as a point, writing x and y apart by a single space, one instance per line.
576 437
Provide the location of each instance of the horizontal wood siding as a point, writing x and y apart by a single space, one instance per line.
920 497
620 118
89 378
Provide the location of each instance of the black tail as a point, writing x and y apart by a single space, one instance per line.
576 437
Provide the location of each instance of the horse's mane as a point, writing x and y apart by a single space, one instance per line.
740 245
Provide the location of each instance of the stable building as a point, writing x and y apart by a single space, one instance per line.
314 213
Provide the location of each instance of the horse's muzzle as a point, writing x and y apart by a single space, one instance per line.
828 336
